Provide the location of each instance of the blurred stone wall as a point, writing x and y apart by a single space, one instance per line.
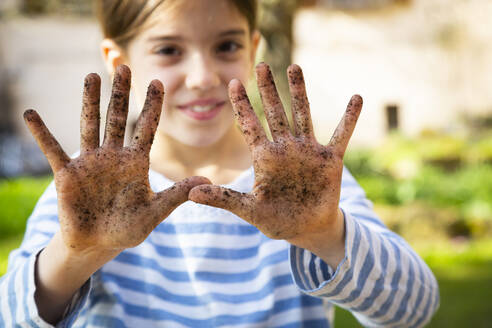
36 54
46 60
429 58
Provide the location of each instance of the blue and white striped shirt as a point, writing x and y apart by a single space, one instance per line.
205 267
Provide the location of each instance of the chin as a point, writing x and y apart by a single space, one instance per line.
199 140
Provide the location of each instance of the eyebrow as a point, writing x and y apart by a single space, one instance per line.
231 32
165 38
238 31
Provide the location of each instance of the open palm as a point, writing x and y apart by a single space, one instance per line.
104 197
297 180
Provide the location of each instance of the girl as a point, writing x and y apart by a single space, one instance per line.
302 237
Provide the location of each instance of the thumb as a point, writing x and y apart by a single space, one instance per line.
239 203
167 200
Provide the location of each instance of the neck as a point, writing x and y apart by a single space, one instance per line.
221 162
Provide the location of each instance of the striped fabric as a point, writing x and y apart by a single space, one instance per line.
205 267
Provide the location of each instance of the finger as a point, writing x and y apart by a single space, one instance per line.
301 115
272 106
90 117
167 200
245 115
149 118
114 133
241 204
48 144
340 139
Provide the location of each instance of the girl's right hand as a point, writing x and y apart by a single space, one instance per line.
105 203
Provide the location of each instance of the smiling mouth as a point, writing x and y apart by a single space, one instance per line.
202 112
202 109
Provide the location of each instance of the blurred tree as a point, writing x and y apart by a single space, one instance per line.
359 4
34 7
275 23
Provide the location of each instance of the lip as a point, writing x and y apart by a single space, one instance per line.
204 116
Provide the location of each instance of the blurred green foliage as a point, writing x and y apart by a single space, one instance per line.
438 183
402 157
17 199
463 187
7 244
481 150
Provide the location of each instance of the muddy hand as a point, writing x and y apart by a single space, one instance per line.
104 198
297 180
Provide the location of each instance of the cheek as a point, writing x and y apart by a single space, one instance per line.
240 71
143 74
171 84
170 78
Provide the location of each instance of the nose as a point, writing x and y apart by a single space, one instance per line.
202 74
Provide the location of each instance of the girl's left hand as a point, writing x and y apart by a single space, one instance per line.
297 180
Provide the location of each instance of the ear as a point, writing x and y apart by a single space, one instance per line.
112 55
255 41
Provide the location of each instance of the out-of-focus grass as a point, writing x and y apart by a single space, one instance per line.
6 245
465 277
464 274
17 199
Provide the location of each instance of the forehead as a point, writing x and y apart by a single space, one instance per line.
196 18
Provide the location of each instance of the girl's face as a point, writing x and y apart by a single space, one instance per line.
195 48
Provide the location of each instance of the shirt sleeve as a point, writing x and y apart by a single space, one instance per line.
17 286
381 280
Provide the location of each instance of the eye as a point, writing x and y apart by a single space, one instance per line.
228 47
169 51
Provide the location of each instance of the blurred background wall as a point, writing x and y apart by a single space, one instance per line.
46 49
421 64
